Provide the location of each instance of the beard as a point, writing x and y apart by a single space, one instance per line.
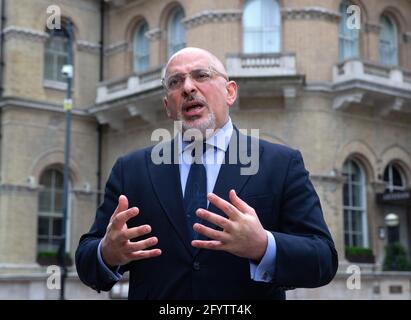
206 127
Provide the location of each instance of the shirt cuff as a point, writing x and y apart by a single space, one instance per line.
112 274
264 271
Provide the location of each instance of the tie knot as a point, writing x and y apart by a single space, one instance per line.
199 149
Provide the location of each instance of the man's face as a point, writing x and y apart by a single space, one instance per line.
200 105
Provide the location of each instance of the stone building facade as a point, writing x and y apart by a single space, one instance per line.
307 79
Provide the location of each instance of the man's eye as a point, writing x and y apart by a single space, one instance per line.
201 75
173 82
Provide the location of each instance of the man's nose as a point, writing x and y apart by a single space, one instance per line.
189 85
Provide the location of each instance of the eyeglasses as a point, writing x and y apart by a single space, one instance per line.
176 81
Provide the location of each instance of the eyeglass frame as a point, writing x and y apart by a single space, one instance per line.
210 69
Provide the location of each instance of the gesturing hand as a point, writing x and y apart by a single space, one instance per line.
116 247
242 234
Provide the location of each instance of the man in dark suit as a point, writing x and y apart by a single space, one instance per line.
199 227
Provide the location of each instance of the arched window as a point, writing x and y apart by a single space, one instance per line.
354 204
388 42
56 54
176 31
141 48
348 37
50 211
261 26
394 178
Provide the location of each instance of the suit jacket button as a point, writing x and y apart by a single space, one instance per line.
196 265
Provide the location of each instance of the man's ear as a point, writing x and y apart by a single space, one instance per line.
231 92
165 104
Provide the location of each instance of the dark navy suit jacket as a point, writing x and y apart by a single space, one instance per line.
282 196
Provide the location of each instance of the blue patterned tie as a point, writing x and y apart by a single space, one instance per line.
195 195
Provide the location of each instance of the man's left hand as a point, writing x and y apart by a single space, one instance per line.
242 234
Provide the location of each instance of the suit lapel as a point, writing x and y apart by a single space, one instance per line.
165 179
230 176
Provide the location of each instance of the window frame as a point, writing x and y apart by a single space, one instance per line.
173 44
55 77
391 42
264 30
350 209
141 48
348 40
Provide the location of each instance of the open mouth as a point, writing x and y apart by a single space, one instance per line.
193 109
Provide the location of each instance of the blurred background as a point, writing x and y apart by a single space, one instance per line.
328 77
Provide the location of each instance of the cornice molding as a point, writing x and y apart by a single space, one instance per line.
87 46
153 34
212 16
310 13
374 28
116 48
14 32
45 106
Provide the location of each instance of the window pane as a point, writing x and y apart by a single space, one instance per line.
141 49
58 201
56 50
57 226
176 33
43 226
346 199
261 26
58 180
45 179
356 195
388 42
348 38
396 177
45 201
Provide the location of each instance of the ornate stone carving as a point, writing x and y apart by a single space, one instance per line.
314 13
87 46
115 48
153 34
25 34
212 16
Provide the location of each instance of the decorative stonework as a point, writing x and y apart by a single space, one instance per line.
373 28
89 47
14 188
212 17
115 48
14 32
313 13
153 34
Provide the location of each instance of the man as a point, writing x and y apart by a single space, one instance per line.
203 230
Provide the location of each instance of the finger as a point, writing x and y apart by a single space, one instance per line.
238 202
121 218
140 245
211 245
122 206
223 205
137 231
211 233
216 219
144 254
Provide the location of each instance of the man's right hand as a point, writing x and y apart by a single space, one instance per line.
116 247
